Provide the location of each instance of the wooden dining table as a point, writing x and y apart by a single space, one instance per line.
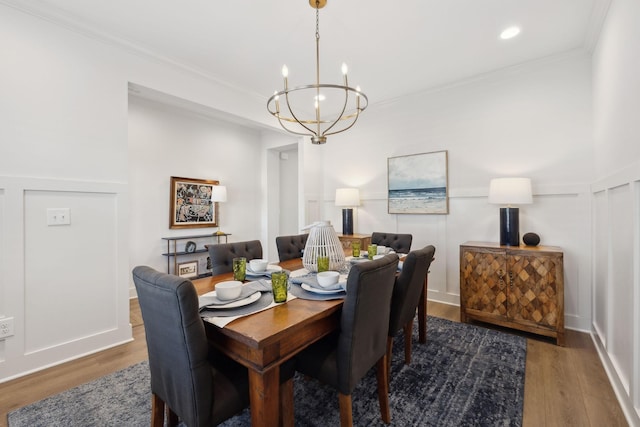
264 340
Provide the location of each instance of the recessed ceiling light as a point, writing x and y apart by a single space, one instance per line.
509 33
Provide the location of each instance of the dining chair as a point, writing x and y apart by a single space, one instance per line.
222 255
401 243
198 385
409 284
343 358
290 247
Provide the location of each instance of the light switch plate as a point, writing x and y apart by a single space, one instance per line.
58 216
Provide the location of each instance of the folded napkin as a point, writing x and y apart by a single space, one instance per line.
311 280
209 299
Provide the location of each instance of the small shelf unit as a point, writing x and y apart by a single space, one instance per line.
173 253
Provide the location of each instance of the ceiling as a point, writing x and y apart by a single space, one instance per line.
392 48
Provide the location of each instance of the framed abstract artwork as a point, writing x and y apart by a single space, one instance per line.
418 184
191 205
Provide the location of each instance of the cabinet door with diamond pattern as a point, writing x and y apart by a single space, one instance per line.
483 272
535 280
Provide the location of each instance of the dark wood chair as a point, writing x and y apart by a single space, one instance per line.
222 255
342 359
406 297
401 243
290 247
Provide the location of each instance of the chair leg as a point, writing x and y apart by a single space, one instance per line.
382 375
172 418
286 403
408 328
422 312
389 352
157 411
346 415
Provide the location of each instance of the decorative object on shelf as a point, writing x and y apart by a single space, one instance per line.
348 198
322 242
191 203
510 191
219 195
531 239
188 269
190 247
337 107
418 184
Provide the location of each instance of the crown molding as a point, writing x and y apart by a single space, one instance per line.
596 21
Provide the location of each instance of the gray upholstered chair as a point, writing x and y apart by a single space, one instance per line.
198 384
290 247
199 387
401 243
406 297
222 255
342 359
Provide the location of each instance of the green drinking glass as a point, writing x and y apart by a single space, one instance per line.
279 284
239 268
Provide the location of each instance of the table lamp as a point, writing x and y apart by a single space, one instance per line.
510 191
219 194
348 198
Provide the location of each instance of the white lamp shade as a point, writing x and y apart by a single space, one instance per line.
347 197
219 193
510 191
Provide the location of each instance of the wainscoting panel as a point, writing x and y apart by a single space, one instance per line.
66 286
616 284
70 277
3 257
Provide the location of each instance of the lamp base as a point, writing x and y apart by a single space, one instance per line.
347 221
509 226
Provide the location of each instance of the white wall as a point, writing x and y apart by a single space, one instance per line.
165 141
63 133
616 202
533 121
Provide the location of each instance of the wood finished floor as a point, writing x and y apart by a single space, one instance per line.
564 386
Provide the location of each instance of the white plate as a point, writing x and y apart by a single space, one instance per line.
320 291
270 269
240 303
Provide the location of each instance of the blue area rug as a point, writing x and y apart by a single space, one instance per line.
464 375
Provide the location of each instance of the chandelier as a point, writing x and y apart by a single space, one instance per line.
340 104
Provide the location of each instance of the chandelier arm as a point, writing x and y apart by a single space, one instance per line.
286 95
356 115
344 107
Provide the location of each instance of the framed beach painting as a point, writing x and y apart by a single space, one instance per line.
191 205
418 184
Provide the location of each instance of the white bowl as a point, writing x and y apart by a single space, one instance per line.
382 250
228 290
327 278
258 265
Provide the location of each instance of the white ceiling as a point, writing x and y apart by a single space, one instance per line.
392 48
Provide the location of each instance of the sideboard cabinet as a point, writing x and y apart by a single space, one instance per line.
347 239
519 287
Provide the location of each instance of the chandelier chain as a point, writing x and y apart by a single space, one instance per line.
317 19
